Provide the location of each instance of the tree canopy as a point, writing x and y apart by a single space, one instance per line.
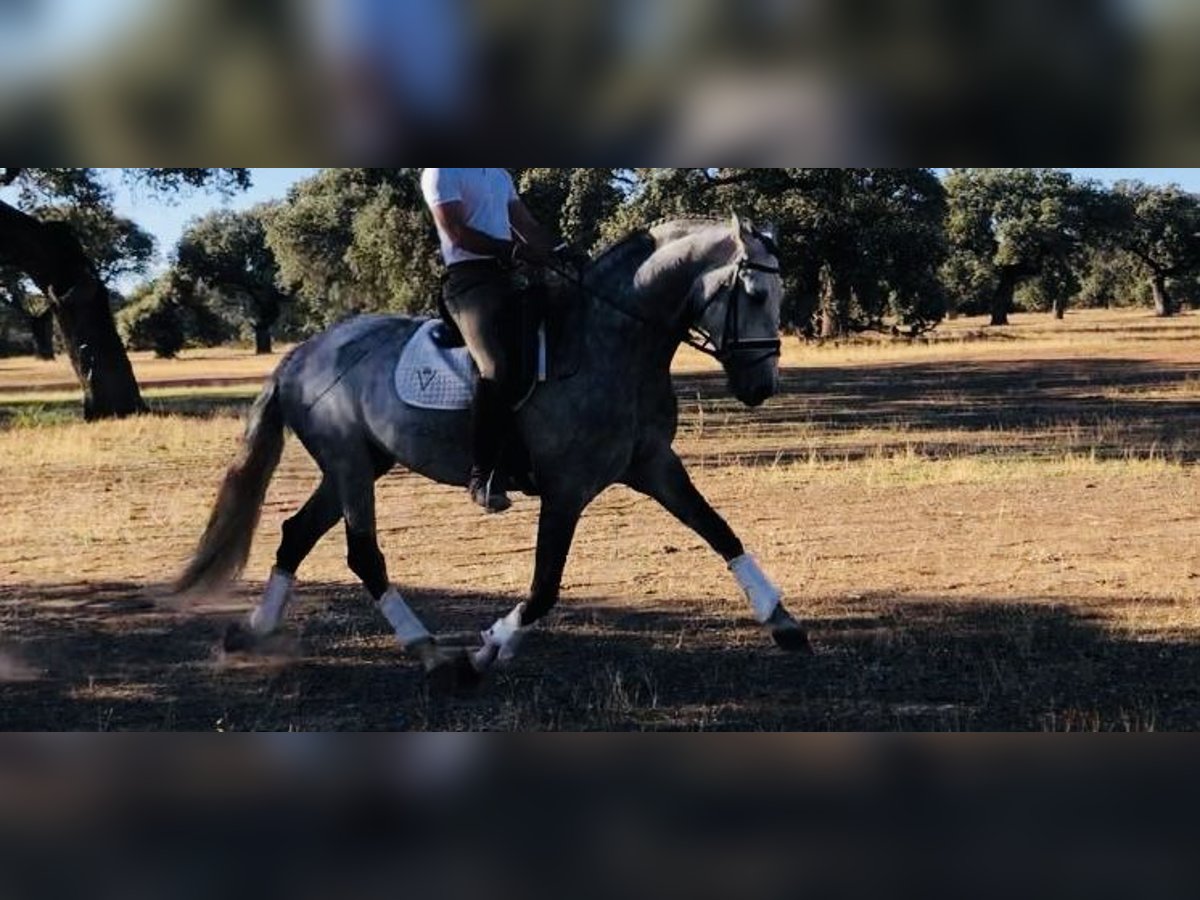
226 254
1162 235
355 240
1007 227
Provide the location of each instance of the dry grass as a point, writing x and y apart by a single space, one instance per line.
26 375
981 534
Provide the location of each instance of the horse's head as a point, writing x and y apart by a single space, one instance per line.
736 307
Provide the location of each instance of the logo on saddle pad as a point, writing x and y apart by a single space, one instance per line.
432 377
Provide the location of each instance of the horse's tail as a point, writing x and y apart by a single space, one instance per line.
225 545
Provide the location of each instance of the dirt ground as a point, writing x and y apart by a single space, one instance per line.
991 533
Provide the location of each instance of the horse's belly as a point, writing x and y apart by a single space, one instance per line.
434 444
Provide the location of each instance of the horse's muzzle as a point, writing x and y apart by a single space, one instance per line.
756 396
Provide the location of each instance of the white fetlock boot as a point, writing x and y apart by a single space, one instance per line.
764 595
409 630
266 617
501 641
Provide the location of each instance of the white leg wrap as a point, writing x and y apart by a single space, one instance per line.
763 594
265 618
502 640
403 620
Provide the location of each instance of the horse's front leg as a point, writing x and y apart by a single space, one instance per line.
662 476
556 530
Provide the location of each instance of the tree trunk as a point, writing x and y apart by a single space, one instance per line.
1002 300
1060 308
835 306
50 254
42 327
262 338
1163 304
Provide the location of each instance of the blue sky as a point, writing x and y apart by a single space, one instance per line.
1188 179
166 217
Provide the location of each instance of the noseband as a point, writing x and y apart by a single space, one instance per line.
726 350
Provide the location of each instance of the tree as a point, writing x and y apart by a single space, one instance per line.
30 308
575 202
153 320
1162 232
169 313
349 241
1111 277
117 246
51 254
227 253
1009 226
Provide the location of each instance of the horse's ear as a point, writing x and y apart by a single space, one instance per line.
768 233
742 229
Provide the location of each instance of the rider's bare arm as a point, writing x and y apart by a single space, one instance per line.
452 219
530 230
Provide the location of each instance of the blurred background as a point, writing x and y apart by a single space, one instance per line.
309 816
760 82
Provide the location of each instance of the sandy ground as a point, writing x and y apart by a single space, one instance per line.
981 534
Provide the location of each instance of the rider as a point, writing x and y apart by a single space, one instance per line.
485 229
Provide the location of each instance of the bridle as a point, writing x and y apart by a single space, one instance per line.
725 351
697 336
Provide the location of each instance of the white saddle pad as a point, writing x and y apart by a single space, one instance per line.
430 377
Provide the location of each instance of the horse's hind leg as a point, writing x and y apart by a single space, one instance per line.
300 534
356 489
662 476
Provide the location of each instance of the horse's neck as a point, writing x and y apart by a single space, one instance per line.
654 287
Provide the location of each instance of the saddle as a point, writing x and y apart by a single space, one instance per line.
435 370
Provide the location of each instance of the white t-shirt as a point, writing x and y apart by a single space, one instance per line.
485 195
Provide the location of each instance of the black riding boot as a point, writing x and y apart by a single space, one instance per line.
490 421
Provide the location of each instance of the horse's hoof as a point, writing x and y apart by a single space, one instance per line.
239 639
452 673
792 640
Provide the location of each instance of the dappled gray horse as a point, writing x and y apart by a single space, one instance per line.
707 282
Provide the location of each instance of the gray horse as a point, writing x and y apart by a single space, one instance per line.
706 282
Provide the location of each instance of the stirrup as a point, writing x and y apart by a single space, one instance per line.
492 501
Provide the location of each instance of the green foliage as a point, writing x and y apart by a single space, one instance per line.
1112 278
349 241
116 245
166 315
153 320
577 203
1019 229
1162 228
84 187
224 259
859 246
1162 235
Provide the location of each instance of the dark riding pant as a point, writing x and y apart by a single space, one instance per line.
479 297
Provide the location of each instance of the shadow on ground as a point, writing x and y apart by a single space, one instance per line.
106 657
1113 408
